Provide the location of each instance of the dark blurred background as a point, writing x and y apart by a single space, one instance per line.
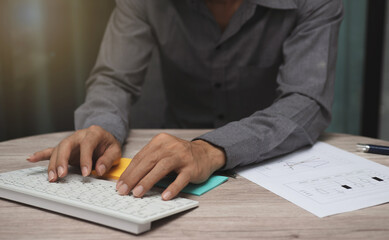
48 48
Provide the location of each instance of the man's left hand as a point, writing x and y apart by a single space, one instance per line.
192 161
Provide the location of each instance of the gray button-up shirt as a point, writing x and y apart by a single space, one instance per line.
265 84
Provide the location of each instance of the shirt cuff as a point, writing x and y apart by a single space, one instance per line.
111 123
236 145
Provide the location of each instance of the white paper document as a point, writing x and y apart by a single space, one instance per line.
323 179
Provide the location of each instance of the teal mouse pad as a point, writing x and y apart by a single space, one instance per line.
195 189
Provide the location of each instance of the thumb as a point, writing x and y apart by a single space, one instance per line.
110 157
41 155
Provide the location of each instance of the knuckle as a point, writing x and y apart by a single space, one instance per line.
179 147
165 165
84 143
79 131
161 137
116 152
66 143
95 130
116 149
136 159
153 159
79 135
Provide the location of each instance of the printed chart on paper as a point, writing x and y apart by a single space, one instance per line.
323 179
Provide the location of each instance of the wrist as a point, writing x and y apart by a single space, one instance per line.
215 155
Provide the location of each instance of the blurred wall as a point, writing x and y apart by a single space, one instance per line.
347 108
48 47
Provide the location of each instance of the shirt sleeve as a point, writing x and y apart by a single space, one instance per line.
305 80
118 74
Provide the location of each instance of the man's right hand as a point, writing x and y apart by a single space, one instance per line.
83 148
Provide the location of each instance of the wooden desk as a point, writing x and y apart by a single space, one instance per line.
238 209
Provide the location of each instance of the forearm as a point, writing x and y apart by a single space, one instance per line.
116 80
271 132
110 112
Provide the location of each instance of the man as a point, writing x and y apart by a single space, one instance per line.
259 71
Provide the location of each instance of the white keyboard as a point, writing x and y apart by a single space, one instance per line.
89 198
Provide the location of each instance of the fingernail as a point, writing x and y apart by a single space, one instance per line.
60 171
101 169
119 184
123 189
84 171
137 191
29 158
167 195
51 176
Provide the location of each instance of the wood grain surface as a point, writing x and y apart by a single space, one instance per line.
238 209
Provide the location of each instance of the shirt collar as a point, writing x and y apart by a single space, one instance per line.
277 4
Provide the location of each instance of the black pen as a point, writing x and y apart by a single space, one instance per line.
369 148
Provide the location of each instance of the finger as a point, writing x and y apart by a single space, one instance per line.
64 150
41 155
51 169
133 174
153 146
163 168
87 147
142 163
175 187
110 157
138 158
74 158
139 167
